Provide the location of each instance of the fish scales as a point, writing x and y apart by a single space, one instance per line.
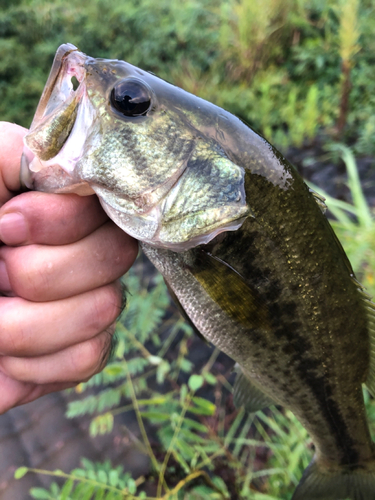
241 241
282 350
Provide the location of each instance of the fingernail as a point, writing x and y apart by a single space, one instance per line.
13 229
4 278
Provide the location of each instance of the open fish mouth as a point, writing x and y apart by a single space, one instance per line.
61 122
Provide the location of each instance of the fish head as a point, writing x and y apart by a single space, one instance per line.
107 127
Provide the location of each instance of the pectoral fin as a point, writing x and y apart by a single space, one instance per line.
228 289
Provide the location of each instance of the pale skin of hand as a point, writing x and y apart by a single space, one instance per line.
60 260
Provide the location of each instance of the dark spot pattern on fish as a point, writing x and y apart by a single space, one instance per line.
288 339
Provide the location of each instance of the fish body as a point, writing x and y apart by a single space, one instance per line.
241 241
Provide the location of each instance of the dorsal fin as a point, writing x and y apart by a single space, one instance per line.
370 309
246 394
320 200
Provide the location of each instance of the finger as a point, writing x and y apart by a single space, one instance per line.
11 146
51 219
74 364
45 273
15 393
45 328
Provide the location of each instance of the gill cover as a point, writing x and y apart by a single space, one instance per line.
123 135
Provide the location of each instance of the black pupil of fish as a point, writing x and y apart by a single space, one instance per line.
131 98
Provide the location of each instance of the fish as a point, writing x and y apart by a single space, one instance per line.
242 242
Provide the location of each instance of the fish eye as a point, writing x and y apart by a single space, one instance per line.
131 97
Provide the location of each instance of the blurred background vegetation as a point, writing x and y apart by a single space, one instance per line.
290 68
302 74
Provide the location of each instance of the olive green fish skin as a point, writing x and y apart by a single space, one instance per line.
241 242
309 350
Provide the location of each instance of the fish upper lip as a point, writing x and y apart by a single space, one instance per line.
58 94
68 62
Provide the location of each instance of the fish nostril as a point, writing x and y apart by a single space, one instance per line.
75 82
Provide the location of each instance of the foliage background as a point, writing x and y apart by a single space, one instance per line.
301 73
281 65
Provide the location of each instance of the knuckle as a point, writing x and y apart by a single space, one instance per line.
14 334
15 368
90 357
28 276
114 253
106 306
128 256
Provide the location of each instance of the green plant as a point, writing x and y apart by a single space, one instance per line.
349 34
282 66
251 33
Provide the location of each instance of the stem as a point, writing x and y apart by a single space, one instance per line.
140 420
344 104
170 447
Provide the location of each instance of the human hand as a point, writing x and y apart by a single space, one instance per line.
60 261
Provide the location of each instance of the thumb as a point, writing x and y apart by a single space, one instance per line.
11 146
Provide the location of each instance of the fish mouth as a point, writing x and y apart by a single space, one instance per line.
61 123
58 87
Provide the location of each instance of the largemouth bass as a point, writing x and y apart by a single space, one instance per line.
241 241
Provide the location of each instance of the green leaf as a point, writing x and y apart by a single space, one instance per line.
153 401
186 365
102 424
102 477
20 472
113 495
262 496
132 487
67 489
183 393
156 416
87 464
191 437
91 474
187 451
100 494
211 379
204 407
78 472
113 478
188 422
40 494
115 369
195 382
220 484
162 371
88 493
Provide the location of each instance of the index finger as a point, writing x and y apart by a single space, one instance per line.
11 146
46 218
